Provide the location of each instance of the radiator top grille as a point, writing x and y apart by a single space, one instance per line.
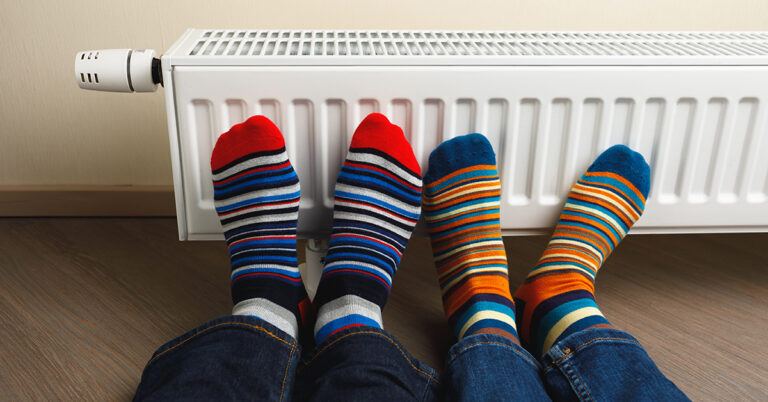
425 44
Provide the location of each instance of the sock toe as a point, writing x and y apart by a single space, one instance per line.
375 131
459 153
257 134
625 162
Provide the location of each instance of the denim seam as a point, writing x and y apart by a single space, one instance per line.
577 384
583 345
285 376
258 328
371 333
426 390
495 343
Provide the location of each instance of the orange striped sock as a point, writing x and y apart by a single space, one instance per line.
461 207
557 298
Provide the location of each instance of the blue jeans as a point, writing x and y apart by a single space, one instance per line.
245 358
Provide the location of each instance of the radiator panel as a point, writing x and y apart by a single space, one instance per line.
702 129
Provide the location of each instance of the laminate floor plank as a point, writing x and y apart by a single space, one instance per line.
85 301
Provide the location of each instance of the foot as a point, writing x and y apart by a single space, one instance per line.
377 205
256 194
461 208
557 298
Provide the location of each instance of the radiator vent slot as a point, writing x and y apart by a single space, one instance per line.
483 43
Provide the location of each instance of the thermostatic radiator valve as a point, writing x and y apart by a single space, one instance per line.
118 70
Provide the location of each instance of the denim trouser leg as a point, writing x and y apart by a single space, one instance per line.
245 358
364 364
487 367
600 364
236 358
605 364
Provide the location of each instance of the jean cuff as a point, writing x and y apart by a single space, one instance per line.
582 340
356 333
491 341
228 323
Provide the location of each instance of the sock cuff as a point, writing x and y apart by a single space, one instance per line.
343 311
271 312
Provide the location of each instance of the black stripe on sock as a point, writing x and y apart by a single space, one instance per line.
257 177
341 284
358 211
248 157
281 293
379 176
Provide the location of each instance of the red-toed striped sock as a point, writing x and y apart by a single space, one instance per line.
256 194
377 204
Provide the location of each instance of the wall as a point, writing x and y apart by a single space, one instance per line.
53 134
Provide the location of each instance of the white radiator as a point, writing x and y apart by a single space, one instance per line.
694 104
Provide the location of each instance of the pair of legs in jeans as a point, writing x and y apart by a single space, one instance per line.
548 341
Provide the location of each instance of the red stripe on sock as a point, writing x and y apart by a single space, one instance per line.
262 238
257 206
367 238
345 327
297 280
251 171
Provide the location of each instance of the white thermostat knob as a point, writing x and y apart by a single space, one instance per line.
118 70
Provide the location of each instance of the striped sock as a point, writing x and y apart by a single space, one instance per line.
256 194
557 298
461 208
377 205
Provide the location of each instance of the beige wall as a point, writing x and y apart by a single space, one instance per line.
52 133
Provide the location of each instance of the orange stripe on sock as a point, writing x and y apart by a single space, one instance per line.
488 284
563 230
491 229
621 179
547 286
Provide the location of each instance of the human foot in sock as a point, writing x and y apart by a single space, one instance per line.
461 208
557 298
377 205
256 194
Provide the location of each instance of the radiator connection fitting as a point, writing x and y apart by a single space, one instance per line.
118 70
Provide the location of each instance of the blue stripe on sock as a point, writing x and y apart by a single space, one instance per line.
258 200
478 175
332 270
625 190
557 313
342 322
292 273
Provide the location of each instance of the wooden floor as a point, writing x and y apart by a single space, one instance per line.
84 302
